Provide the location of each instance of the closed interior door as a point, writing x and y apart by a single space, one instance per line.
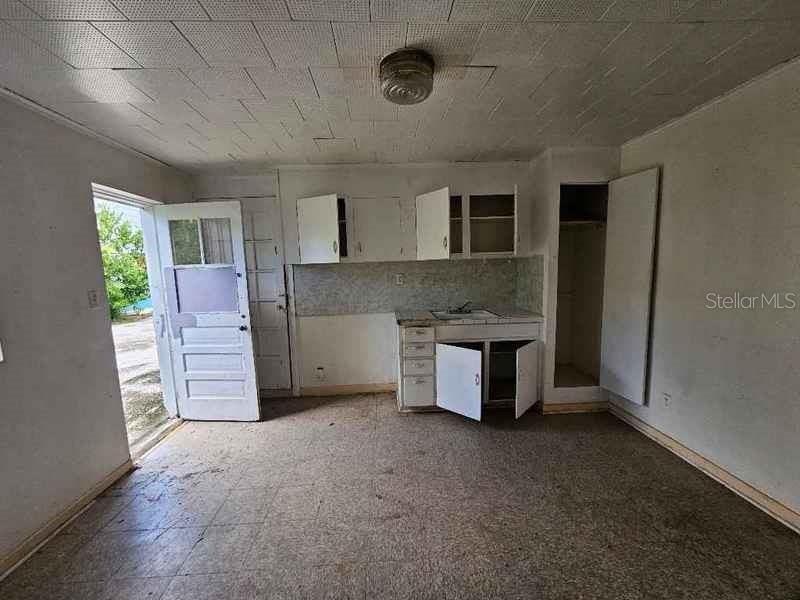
263 240
459 380
201 249
433 225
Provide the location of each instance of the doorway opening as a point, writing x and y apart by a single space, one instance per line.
130 302
581 266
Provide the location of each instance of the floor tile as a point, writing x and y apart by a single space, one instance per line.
222 549
247 506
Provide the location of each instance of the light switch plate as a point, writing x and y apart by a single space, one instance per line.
400 279
94 298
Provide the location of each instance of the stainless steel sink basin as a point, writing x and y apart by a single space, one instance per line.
445 315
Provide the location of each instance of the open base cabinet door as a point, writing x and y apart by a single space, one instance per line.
458 380
527 378
201 251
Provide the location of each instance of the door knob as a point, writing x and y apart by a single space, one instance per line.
242 327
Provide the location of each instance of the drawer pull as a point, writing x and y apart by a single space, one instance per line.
477 379
419 365
419 381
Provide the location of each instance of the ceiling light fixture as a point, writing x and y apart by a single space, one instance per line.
407 76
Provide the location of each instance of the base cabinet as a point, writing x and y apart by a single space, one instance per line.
465 368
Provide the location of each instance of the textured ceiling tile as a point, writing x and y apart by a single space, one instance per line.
514 81
16 49
273 110
163 85
71 85
161 10
459 82
642 43
329 10
223 111
372 109
651 10
346 83
365 44
308 129
76 10
171 113
79 44
227 44
247 10
511 44
299 44
221 84
569 10
490 10
577 43
334 146
715 10
14 9
449 43
410 10
345 128
278 83
152 44
325 109
779 9
102 114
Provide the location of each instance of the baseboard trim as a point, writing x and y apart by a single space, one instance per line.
34 541
346 390
774 508
561 408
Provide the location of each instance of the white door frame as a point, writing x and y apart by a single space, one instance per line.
151 253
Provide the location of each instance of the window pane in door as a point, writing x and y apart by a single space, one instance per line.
184 236
217 244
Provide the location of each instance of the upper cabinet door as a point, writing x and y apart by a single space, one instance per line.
458 380
527 378
628 282
318 229
378 235
433 225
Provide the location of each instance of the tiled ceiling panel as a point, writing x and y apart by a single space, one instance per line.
152 44
225 84
299 44
472 11
161 10
329 10
410 10
240 83
79 44
246 10
227 44
75 10
365 44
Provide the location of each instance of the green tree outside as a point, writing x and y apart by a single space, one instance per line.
124 266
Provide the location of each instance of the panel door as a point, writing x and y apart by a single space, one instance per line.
202 256
527 378
318 229
458 380
378 233
263 237
630 247
433 225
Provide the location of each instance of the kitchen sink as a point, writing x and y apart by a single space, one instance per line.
446 315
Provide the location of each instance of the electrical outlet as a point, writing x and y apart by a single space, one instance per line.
93 297
400 279
320 374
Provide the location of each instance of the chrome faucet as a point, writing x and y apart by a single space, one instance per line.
463 308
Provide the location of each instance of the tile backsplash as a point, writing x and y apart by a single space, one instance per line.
354 288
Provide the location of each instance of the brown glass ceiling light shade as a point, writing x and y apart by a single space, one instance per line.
407 76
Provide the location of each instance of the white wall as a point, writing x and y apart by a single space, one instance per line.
730 221
61 424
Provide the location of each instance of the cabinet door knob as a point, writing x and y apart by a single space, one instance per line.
335 247
444 242
242 327
477 379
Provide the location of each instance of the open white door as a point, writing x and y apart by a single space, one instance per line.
630 246
208 316
527 378
458 380
318 229
433 225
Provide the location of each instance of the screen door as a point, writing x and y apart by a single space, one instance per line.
202 257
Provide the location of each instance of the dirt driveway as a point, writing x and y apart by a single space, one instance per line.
139 376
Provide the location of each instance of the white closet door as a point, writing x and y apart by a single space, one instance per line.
318 229
527 378
433 225
630 246
458 380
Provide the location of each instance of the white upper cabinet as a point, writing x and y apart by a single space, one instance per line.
377 230
318 229
433 225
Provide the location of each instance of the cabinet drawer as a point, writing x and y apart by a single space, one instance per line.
418 366
420 349
418 334
418 391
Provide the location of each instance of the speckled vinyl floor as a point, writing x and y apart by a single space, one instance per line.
347 499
